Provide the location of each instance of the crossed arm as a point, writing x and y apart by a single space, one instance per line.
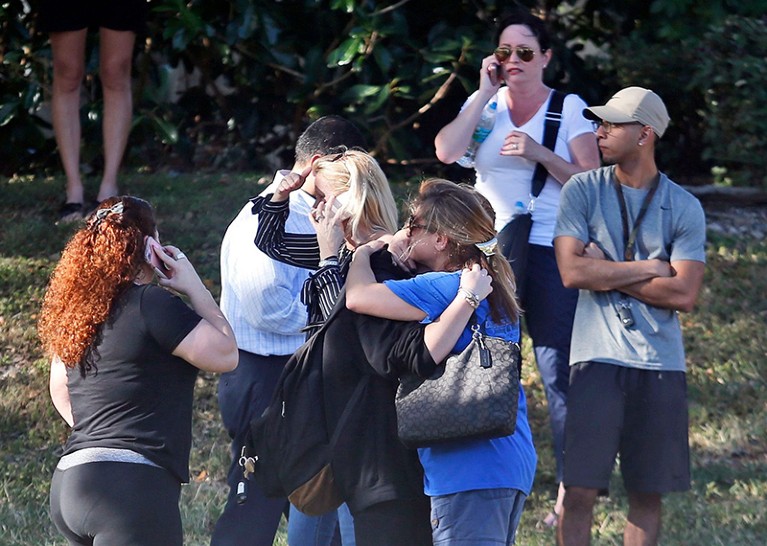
672 285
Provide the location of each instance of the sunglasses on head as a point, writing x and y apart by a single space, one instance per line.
503 53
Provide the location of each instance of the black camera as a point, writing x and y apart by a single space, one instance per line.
625 316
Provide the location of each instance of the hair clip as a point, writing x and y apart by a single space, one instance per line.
488 248
100 214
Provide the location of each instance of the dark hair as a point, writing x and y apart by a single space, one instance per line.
523 17
327 135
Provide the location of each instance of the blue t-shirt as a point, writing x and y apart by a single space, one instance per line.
507 462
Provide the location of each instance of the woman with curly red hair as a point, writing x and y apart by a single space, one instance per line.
125 354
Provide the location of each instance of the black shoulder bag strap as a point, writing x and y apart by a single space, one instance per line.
550 130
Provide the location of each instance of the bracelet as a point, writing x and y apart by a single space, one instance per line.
471 298
330 260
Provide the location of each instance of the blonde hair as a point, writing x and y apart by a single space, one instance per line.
370 204
466 218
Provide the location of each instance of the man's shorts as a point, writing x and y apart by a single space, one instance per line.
69 15
639 414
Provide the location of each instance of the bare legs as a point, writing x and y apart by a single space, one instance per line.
115 72
68 71
574 527
642 526
116 51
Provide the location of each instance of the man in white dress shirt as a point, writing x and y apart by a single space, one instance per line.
261 299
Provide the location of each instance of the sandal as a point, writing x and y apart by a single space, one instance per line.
70 213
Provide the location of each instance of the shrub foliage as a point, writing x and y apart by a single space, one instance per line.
229 83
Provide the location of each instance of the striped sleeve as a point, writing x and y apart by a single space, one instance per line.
328 283
296 249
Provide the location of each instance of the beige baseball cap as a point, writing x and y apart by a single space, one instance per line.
632 104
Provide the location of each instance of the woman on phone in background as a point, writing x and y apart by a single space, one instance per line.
477 487
125 356
504 164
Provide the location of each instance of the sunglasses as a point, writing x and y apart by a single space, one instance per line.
503 53
412 224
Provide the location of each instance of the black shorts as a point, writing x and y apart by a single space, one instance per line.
68 15
641 414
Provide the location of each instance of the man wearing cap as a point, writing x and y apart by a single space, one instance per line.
633 242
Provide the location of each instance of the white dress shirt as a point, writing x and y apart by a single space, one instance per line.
259 296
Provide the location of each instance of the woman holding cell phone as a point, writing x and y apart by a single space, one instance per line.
505 162
125 354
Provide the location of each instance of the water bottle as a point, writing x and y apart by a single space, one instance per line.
485 125
519 208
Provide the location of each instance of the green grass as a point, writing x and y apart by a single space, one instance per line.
725 338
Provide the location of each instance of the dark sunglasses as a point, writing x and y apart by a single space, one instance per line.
503 53
412 224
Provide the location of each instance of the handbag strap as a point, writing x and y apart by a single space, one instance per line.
550 130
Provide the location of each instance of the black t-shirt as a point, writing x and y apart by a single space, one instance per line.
139 396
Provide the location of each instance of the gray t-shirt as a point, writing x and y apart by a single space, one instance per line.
673 229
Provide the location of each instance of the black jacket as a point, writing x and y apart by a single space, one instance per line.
369 463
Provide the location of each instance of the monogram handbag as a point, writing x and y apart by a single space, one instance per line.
474 395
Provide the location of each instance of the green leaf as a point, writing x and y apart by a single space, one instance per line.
383 58
360 92
168 132
345 5
380 98
345 53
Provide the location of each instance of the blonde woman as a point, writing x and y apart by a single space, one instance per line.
354 205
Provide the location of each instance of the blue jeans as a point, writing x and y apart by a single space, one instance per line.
482 517
549 313
322 530
243 394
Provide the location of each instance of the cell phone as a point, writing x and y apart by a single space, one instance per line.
496 73
340 200
152 248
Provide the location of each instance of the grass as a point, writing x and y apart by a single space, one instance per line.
725 338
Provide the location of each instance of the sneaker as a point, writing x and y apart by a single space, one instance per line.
70 213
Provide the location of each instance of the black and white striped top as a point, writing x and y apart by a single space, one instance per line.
320 291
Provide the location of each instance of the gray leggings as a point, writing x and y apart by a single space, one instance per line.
116 504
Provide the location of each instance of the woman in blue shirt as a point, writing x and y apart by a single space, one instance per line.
477 487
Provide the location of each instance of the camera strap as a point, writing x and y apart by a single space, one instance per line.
629 237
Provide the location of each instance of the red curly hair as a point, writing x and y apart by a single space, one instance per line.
98 264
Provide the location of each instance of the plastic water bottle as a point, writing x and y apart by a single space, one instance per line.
519 208
485 125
